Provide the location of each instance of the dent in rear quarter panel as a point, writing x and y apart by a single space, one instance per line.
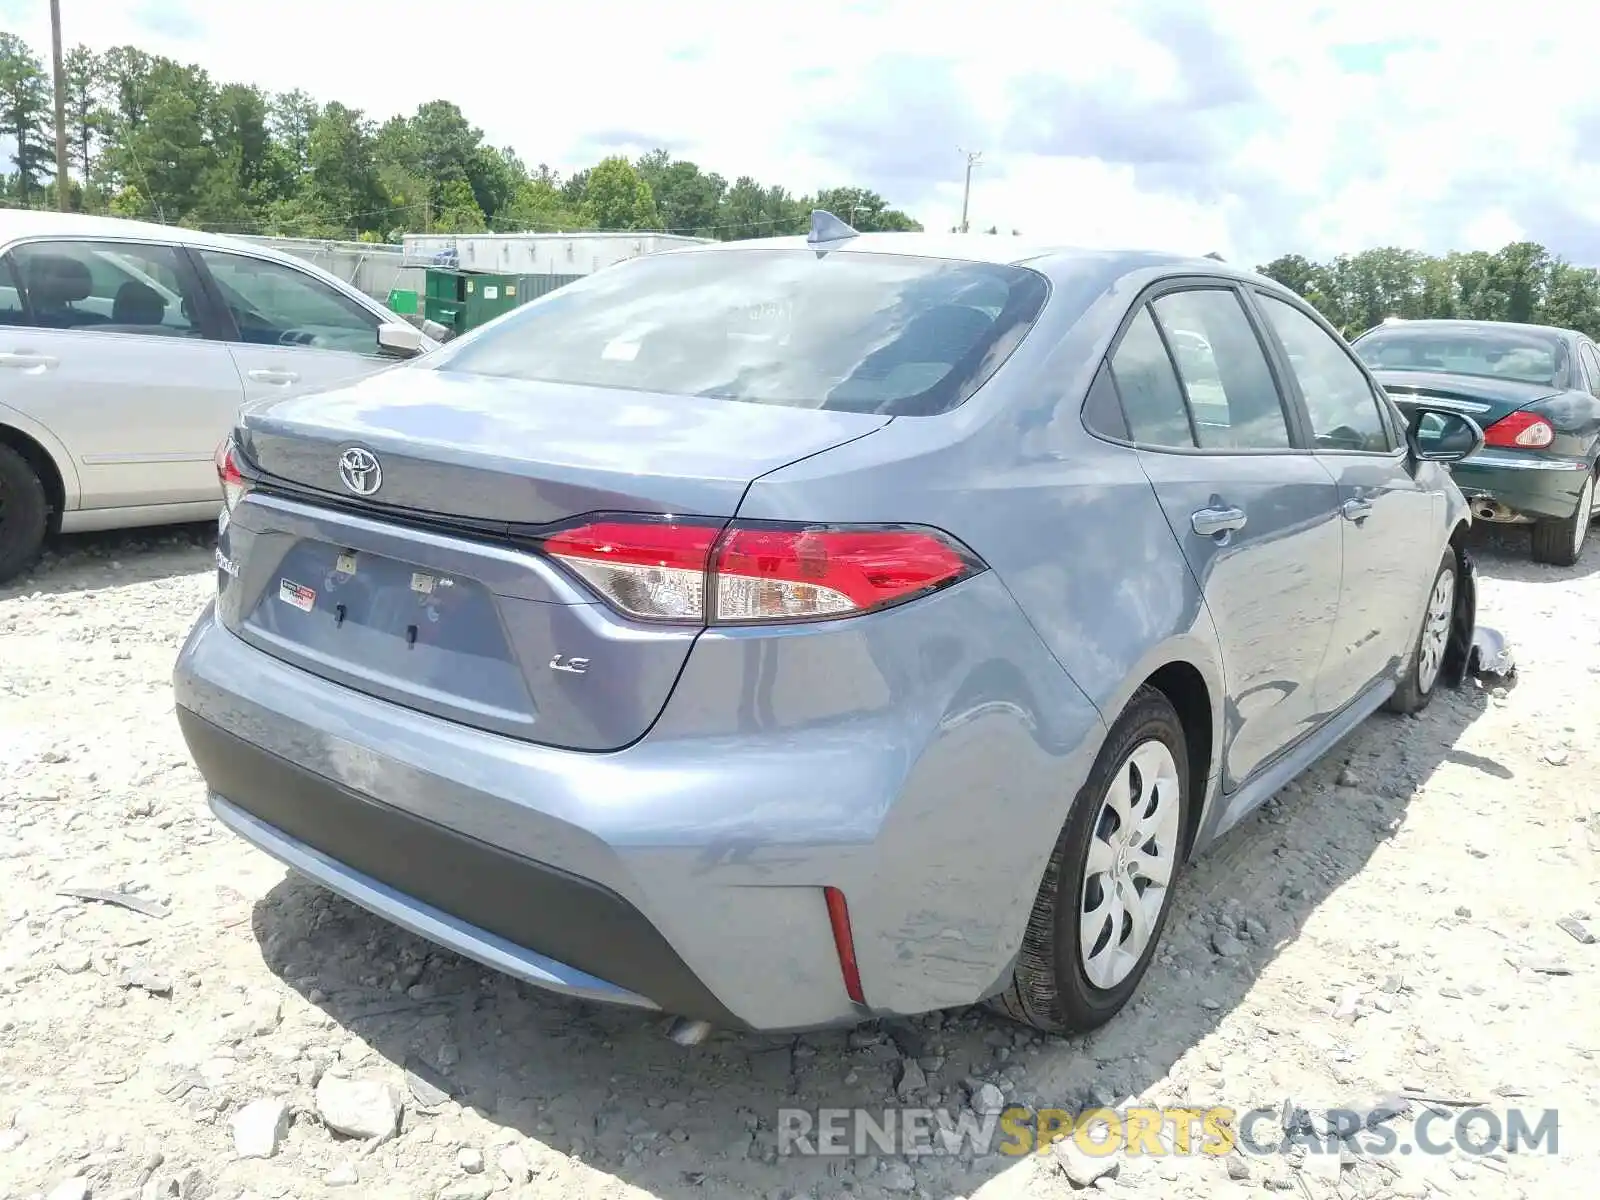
920 761
1101 597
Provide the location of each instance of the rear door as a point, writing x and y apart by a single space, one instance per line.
1255 514
110 353
290 331
1392 526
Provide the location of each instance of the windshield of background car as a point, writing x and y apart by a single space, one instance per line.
1491 353
881 333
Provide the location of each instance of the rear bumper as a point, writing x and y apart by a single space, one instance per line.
927 780
1530 485
471 897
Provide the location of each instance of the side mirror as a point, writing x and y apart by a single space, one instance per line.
1442 435
399 340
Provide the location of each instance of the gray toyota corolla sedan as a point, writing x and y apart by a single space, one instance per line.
784 633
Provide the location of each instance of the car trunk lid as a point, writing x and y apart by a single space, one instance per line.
431 593
1483 399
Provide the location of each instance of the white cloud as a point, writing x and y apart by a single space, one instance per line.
1426 124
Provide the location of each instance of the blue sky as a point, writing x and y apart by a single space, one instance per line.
1231 125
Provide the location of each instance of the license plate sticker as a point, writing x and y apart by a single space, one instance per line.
346 564
297 594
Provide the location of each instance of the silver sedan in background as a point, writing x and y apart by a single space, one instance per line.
126 351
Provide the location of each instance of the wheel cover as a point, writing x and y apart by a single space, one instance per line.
1581 520
1436 630
1133 850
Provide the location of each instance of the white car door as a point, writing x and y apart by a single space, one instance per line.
109 353
293 330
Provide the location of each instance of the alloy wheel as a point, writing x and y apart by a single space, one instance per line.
1133 852
1581 520
1435 630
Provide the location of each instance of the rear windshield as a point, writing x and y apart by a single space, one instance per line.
1491 353
881 333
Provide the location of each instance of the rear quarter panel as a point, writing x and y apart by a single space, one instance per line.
1074 535
36 427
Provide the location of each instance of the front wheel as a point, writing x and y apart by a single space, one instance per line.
1108 886
1560 543
1427 654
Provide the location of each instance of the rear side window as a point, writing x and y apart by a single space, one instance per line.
106 287
858 332
1591 367
1152 399
1232 395
1342 404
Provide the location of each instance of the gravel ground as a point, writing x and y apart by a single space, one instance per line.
1389 922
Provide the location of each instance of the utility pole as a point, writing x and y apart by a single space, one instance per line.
63 181
973 157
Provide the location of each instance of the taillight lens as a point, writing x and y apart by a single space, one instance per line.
752 573
1520 431
234 484
655 570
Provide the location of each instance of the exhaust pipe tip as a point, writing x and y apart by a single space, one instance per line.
685 1032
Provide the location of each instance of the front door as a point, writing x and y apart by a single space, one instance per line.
1256 516
292 332
1390 523
109 354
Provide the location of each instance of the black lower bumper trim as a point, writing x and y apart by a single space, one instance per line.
530 904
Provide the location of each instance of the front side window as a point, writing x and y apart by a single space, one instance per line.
275 305
1152 398
852 331
1341 402
105 287
1232 395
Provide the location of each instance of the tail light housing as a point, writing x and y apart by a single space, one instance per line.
234 484
744 573
1521 430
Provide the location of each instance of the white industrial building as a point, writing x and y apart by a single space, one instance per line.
557 258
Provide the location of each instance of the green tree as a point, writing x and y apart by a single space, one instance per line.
617 198
343 187
294 114
86 117
866 211
25 115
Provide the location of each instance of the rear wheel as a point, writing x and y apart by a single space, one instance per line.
1108 886
24 513
1416 686
1560 543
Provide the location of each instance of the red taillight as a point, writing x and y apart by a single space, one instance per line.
234 484
1520 431
844 943
699 572
655 570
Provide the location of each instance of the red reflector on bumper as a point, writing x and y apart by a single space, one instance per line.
844 943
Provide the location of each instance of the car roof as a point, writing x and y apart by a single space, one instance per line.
20 222
1046 257
1443 324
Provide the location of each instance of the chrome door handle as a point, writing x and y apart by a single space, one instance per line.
1356 510
281 378
22 361
1213 522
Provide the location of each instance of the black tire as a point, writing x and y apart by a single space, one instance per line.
1560 543
1416 687
24 514
1050 989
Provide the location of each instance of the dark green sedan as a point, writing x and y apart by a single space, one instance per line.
1534 390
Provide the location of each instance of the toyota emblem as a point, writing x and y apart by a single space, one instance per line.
359 469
